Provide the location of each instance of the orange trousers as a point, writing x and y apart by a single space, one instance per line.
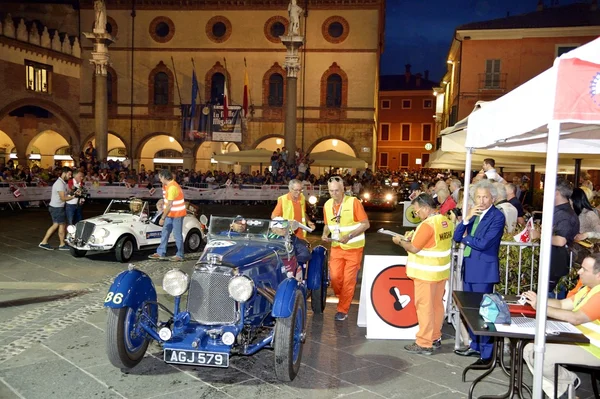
343 269
429 301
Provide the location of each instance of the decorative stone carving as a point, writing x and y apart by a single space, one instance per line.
66 45
100 12
56 44
295 12
9 26
76 48
34 35
292 57
22 34
45 39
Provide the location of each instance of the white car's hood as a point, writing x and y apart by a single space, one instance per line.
111 218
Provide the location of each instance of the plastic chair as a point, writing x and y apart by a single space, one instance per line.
594 373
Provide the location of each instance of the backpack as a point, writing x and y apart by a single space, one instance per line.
494 309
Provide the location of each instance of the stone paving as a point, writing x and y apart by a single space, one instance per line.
56 349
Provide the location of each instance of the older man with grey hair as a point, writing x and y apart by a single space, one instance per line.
292 206
455 186
510 212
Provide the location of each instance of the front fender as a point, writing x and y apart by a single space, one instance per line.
283 304
130 289
315 268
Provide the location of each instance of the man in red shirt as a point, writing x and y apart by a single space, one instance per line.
583 311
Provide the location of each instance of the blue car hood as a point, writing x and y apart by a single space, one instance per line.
241 253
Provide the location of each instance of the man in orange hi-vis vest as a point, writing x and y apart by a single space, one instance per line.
172 217
346 220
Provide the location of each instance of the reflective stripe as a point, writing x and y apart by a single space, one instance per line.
347 223
287 207
433 264
349 228
178 208
178 204
590 329
429 268
359 237
434 254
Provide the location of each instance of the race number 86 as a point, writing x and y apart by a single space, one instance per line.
114 298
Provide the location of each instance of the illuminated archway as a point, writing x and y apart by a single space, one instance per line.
6 144
330 144
46 144
205 152
271 143
114 142
158 143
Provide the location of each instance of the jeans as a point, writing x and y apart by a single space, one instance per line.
73 213
174 225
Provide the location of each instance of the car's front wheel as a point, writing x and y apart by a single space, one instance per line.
125 345
124 249
77 253
193 241
289 339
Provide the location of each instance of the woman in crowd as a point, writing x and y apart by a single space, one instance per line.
589 222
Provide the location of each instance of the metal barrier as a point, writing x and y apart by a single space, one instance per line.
455 281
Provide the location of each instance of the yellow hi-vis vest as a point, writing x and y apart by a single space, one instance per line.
591 329
178 206
288 209
347 223
433 264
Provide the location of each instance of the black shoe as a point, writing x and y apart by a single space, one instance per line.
482 362
437 344
467 352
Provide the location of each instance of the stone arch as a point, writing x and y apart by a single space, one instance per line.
217 68
268 111
47 141
334 113
72 128
6 145
144 141
110 132
266 137
161 109
333 137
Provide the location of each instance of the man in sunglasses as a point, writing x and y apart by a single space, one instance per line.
347 221
292 206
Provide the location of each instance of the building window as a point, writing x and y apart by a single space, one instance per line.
217 88
427 104
37 76
386 104
385 131
275 90
561 49
404 160
275 27
161 89
218 29
492 74
405 132
334 91
335 29
383 160
162 29
426 131
406 104
424 158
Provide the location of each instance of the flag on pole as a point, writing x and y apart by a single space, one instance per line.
246 91
194 96
225 101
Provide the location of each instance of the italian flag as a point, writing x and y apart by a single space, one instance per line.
225 101
246 93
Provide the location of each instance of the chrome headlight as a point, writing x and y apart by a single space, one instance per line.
241 288
388 197
312 200
71 229
366 195
101 232
175 282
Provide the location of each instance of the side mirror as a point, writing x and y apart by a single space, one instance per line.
203 219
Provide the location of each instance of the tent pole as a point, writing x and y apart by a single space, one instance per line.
468 173
577 172
544 264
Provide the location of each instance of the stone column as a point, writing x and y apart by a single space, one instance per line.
292 65
101 60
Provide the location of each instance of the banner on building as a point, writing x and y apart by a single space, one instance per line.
195 122
227 128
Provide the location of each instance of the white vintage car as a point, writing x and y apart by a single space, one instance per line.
127 226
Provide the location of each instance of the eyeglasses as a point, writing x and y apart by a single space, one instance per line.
335 178
299 190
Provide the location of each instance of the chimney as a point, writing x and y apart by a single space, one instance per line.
427 74
418 80
594 5
540 5
407 73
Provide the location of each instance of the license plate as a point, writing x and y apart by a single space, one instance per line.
197 358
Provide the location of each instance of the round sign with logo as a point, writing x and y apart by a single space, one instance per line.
428 146
411 216
392 296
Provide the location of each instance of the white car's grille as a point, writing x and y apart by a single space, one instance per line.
83 231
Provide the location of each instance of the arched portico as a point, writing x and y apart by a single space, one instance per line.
6 144
270 142
148 148
47 143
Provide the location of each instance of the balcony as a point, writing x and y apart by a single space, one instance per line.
492 81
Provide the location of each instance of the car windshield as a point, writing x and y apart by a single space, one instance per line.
132 207
242 228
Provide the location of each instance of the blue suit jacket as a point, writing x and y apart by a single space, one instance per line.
482 266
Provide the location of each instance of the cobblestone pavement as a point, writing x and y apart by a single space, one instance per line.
56 349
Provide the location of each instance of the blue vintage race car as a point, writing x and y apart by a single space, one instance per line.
247 292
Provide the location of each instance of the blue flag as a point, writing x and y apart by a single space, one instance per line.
194 96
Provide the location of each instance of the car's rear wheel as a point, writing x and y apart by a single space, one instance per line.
193 241
77 253
124 249
318 297
289 339
125 345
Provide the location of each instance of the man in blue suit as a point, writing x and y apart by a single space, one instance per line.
481 232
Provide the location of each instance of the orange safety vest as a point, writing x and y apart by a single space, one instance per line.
287 206
178 204
591 329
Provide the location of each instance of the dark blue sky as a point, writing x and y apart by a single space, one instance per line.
419 32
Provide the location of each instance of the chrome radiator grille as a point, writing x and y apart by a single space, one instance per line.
83 231
209 301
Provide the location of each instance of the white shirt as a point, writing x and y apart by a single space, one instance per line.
493 175
75 200
55 201
510 215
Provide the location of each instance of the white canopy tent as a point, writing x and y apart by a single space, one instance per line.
248 157
336 159
557 111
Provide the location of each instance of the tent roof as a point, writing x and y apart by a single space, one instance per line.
252 157
336 159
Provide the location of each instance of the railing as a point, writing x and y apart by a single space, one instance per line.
492 81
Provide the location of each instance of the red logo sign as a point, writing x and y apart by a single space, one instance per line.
392 296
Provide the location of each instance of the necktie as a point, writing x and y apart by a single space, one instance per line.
467 251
